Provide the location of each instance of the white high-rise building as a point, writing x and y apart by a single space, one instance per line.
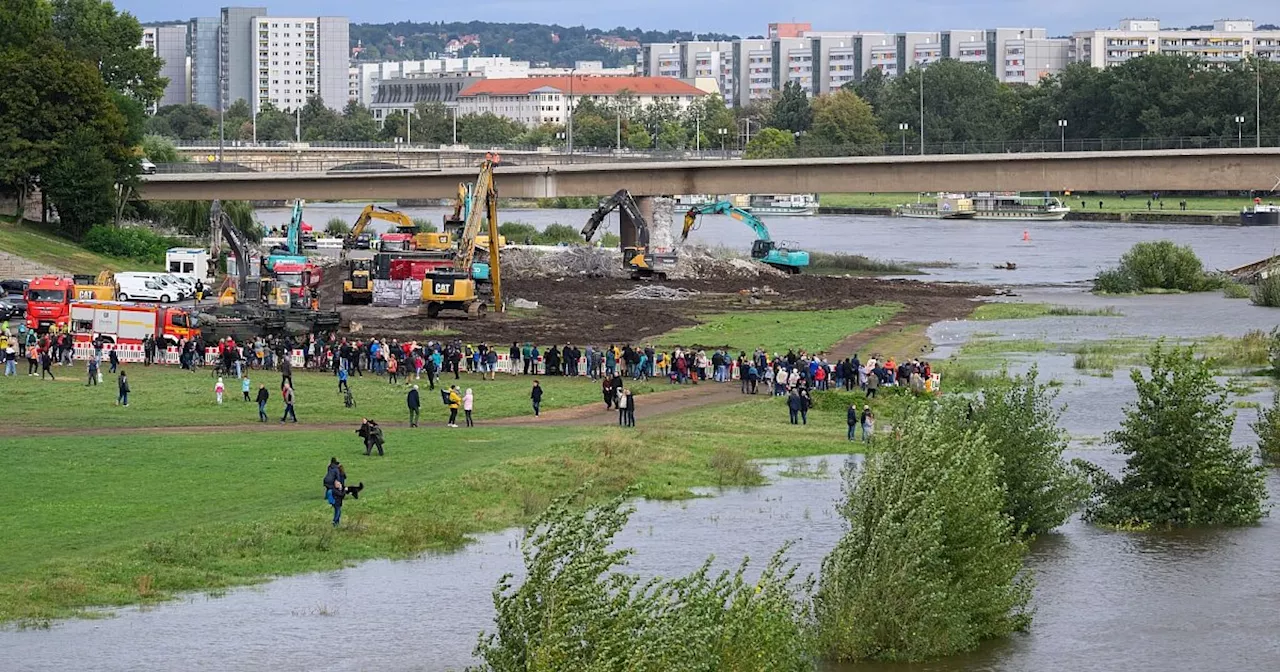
1229 41
296 58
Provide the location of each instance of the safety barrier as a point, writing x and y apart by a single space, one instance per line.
130 353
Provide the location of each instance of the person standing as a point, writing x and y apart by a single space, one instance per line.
334 496
853 420
218 389
10 362
536 396
606 390
123 387
342 380
631 407
93 372
244 387
114 358
468 401
621 403
455 400
805 402
286 371
263 396
415 404
393 370
793 405
287 393
46 361
868 424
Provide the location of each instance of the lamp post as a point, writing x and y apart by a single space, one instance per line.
697 131
747 140
723 133
903 127
1062 133
297 125
455 123
617 118
408 126
922 110
1239 130
569 106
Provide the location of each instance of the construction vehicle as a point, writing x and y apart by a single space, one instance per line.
763 249
455 288
637 257
101 288
358 287
291 252
115 322
403 225
49 303
455 224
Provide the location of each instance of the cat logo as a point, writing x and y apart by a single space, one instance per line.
443 288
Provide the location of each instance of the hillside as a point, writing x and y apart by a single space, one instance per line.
553 44
38 244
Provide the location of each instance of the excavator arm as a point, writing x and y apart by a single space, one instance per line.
293 237
484 189
222 230
622 201
724 208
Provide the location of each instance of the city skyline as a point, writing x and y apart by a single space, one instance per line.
749 17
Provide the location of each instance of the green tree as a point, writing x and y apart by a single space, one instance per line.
842 119
160 150
637 137
1019 420
81 183
191 218
771 143
792 112
337 226
433 124
183 122
1267 427
929 565
672 136
709 114
871 88
357 124
487 129
93 31
1182 469
319 123
394 125
963 102
273 125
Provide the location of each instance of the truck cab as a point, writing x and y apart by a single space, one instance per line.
302 281
49 303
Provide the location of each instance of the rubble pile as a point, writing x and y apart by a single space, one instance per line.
695 263
657 293
698 263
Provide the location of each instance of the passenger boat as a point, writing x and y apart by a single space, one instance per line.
783 205
1260 215
1004 206
945 206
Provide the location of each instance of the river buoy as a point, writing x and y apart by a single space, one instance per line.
1026 236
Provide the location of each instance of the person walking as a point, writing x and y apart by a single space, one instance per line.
794 403
853 420
122 386
607 391
263 395
244 387
218 389
287 394
468 401
334 496
536 396
46 361
415 404
342 380
286 371
371 433
393 369
455 400
868 424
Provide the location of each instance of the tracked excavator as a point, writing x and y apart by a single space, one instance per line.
633 229
763 249
454 288
426 241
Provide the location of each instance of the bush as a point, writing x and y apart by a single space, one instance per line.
337 226
929 566
1267 292
159 149
1157 264
517 232
1115 281
1182 469
574 611
424 225
1267 427
1235 290
555 234
133 243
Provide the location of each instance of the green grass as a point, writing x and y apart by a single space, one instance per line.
877 200
778 330
169 397
826 263
136 518
1235 290
1025 311
41 245
1110 202
987 348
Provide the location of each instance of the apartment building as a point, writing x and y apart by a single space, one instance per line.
822 61
1229 41
296 58
170 44
236 49
547 100
202 59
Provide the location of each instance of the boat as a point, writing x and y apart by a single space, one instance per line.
1011 205
945 206
783 205
1260 215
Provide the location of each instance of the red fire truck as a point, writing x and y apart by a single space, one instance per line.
117 322
49 303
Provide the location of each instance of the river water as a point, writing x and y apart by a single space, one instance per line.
1104 600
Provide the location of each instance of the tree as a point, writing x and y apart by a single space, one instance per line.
93 31
929 565
319 123
394 126
337 226
1018 418
871 88
183 122
791 112
842 119
637 137
433 124
160 150
963 102
81 183
357 124
771 143
1182 469
192 217
671 136
487 129
274 125
1267 427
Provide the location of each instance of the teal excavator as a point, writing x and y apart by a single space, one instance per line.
763 249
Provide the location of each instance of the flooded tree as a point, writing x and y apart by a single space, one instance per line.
576 611
1182 468
929 565
1267 428
1019 419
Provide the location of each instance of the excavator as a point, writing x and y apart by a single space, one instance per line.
292 250
643 262
403 225
763 249
358 287
453 225
455 288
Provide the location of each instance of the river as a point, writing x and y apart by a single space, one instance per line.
1169 601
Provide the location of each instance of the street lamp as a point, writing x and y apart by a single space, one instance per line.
747 123
1239 130
903 127
1062 133
455 123
723 133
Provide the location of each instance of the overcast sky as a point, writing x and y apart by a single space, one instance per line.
748 17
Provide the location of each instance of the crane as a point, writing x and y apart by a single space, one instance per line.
636 255
455 288
763 249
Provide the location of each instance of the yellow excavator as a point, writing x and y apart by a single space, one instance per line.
358 287
403 225
454 288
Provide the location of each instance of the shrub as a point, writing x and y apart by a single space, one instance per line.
1267 427
337 226
1115 281
575 611
1161 264
1182 469
517 232
1235 290
1267 292
929 565
424 225
733 468
133 243
555 234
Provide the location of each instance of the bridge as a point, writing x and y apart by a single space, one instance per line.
323 158
1235 169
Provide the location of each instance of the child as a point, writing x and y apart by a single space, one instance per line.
244 387
342 379
218 389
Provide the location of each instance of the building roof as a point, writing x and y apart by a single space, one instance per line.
583 86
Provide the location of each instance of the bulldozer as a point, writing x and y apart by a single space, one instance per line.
358 287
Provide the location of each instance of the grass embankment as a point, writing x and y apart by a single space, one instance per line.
41 244
779 330
1085 202
1247 354
826 263
1027 311
168 397
135 518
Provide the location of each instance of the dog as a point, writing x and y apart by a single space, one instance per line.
353 491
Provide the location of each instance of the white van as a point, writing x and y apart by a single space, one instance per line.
171 284
135 288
